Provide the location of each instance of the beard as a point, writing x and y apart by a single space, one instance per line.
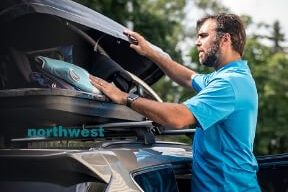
211 58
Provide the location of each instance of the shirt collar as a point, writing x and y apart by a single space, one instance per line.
238 63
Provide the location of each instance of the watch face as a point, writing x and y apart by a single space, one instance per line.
131 97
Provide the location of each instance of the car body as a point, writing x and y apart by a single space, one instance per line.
128 157
125 166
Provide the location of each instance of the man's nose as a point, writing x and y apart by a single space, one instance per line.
197 42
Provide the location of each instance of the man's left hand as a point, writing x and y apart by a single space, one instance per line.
111 91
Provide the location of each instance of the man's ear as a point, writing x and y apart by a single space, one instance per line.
226 39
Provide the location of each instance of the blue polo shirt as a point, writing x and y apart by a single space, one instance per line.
225 107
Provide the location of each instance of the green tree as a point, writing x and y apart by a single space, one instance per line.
211 6
276 37
269 69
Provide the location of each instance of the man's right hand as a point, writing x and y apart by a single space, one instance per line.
160 58
139 43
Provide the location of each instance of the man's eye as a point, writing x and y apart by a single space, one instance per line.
202 35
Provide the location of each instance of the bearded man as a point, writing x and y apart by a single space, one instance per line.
224 109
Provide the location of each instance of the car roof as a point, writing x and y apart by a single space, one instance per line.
50 165
133 158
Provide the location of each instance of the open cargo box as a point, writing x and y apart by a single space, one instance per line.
64 30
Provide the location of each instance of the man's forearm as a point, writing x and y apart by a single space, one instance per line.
178 73
168 114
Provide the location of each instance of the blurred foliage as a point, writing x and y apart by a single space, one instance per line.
210 6
270 70
176 138
160 22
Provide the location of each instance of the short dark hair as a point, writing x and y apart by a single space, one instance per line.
228 23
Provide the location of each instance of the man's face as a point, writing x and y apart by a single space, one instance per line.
208 44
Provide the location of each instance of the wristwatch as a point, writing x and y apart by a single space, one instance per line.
131 98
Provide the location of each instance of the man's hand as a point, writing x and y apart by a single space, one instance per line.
111 91
140 44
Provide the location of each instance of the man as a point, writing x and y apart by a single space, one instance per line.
224 109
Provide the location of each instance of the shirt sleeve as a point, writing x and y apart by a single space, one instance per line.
199 82
213 103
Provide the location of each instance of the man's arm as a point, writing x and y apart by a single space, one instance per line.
168 114
178 73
